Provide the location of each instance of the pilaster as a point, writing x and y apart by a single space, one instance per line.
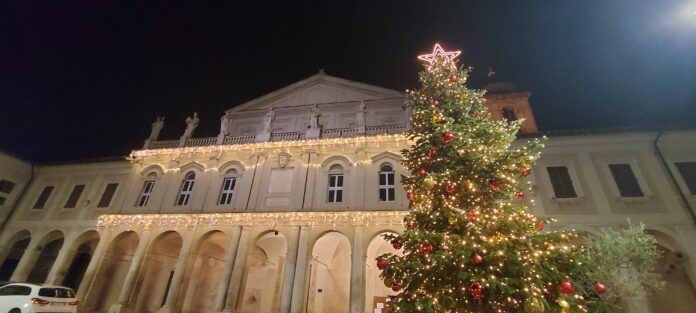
300 279
129 281
237 271
289 272
357 272
230 255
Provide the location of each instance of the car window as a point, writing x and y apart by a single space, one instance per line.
15 290
56 292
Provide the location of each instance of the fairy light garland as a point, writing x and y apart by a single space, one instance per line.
348 218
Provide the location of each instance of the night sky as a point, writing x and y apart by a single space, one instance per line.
85 79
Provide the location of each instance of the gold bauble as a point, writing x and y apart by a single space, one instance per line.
534 305
435 119
428 182
565 307
452 220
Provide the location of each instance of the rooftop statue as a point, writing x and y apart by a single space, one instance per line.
191 124
157 126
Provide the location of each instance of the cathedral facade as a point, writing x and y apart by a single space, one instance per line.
283 210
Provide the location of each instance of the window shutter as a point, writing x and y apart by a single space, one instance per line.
626 180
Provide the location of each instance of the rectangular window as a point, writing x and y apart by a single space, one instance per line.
626 180
561 182
74 196
108 194
43 197
6 186
148 187
227 190
688 173
335 188
185 194
386 186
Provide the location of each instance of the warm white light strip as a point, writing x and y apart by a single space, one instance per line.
305 143
346 218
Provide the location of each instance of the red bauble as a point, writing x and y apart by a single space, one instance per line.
477 259
494 185
409 196
425 248
396 287
540 226
519 195
453 78
476 291
474 114
450 188
447 137
411 225
600 288
382 263
422 172
436 102
566 287
473 216
526 171
432 153
396 244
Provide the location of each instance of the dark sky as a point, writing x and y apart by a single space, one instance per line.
83 79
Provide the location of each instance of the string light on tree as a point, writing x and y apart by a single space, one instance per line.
470 243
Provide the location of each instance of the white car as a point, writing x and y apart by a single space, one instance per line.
34 298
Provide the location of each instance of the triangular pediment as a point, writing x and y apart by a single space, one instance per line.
318 89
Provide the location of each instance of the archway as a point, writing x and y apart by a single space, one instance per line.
376 292
156 273
204 273
16 247
50 247
264 274
678 295
329 285
83 249
112 272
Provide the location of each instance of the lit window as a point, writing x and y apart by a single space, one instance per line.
74 196
386 183
561 182
228 184
688 173
146 192
108 194
186 188
43 197
336 184
626 180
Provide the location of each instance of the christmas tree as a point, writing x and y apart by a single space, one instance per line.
470 243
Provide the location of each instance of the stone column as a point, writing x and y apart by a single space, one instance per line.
289 272
237 271
179 269
357 272
300 279
93 266
65 257
133 270
224 284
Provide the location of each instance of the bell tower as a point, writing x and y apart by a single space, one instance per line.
504 101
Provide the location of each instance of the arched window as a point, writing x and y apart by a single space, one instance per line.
336 184
386 182
146 191
228 184
186 188
509 114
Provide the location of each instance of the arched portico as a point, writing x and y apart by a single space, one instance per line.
156 273
330 270
12 253
112 272
678 294
48 248
375 290
203 273
263 276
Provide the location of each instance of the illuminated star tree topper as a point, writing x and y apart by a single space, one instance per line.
439 53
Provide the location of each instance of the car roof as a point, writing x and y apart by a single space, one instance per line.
36 285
